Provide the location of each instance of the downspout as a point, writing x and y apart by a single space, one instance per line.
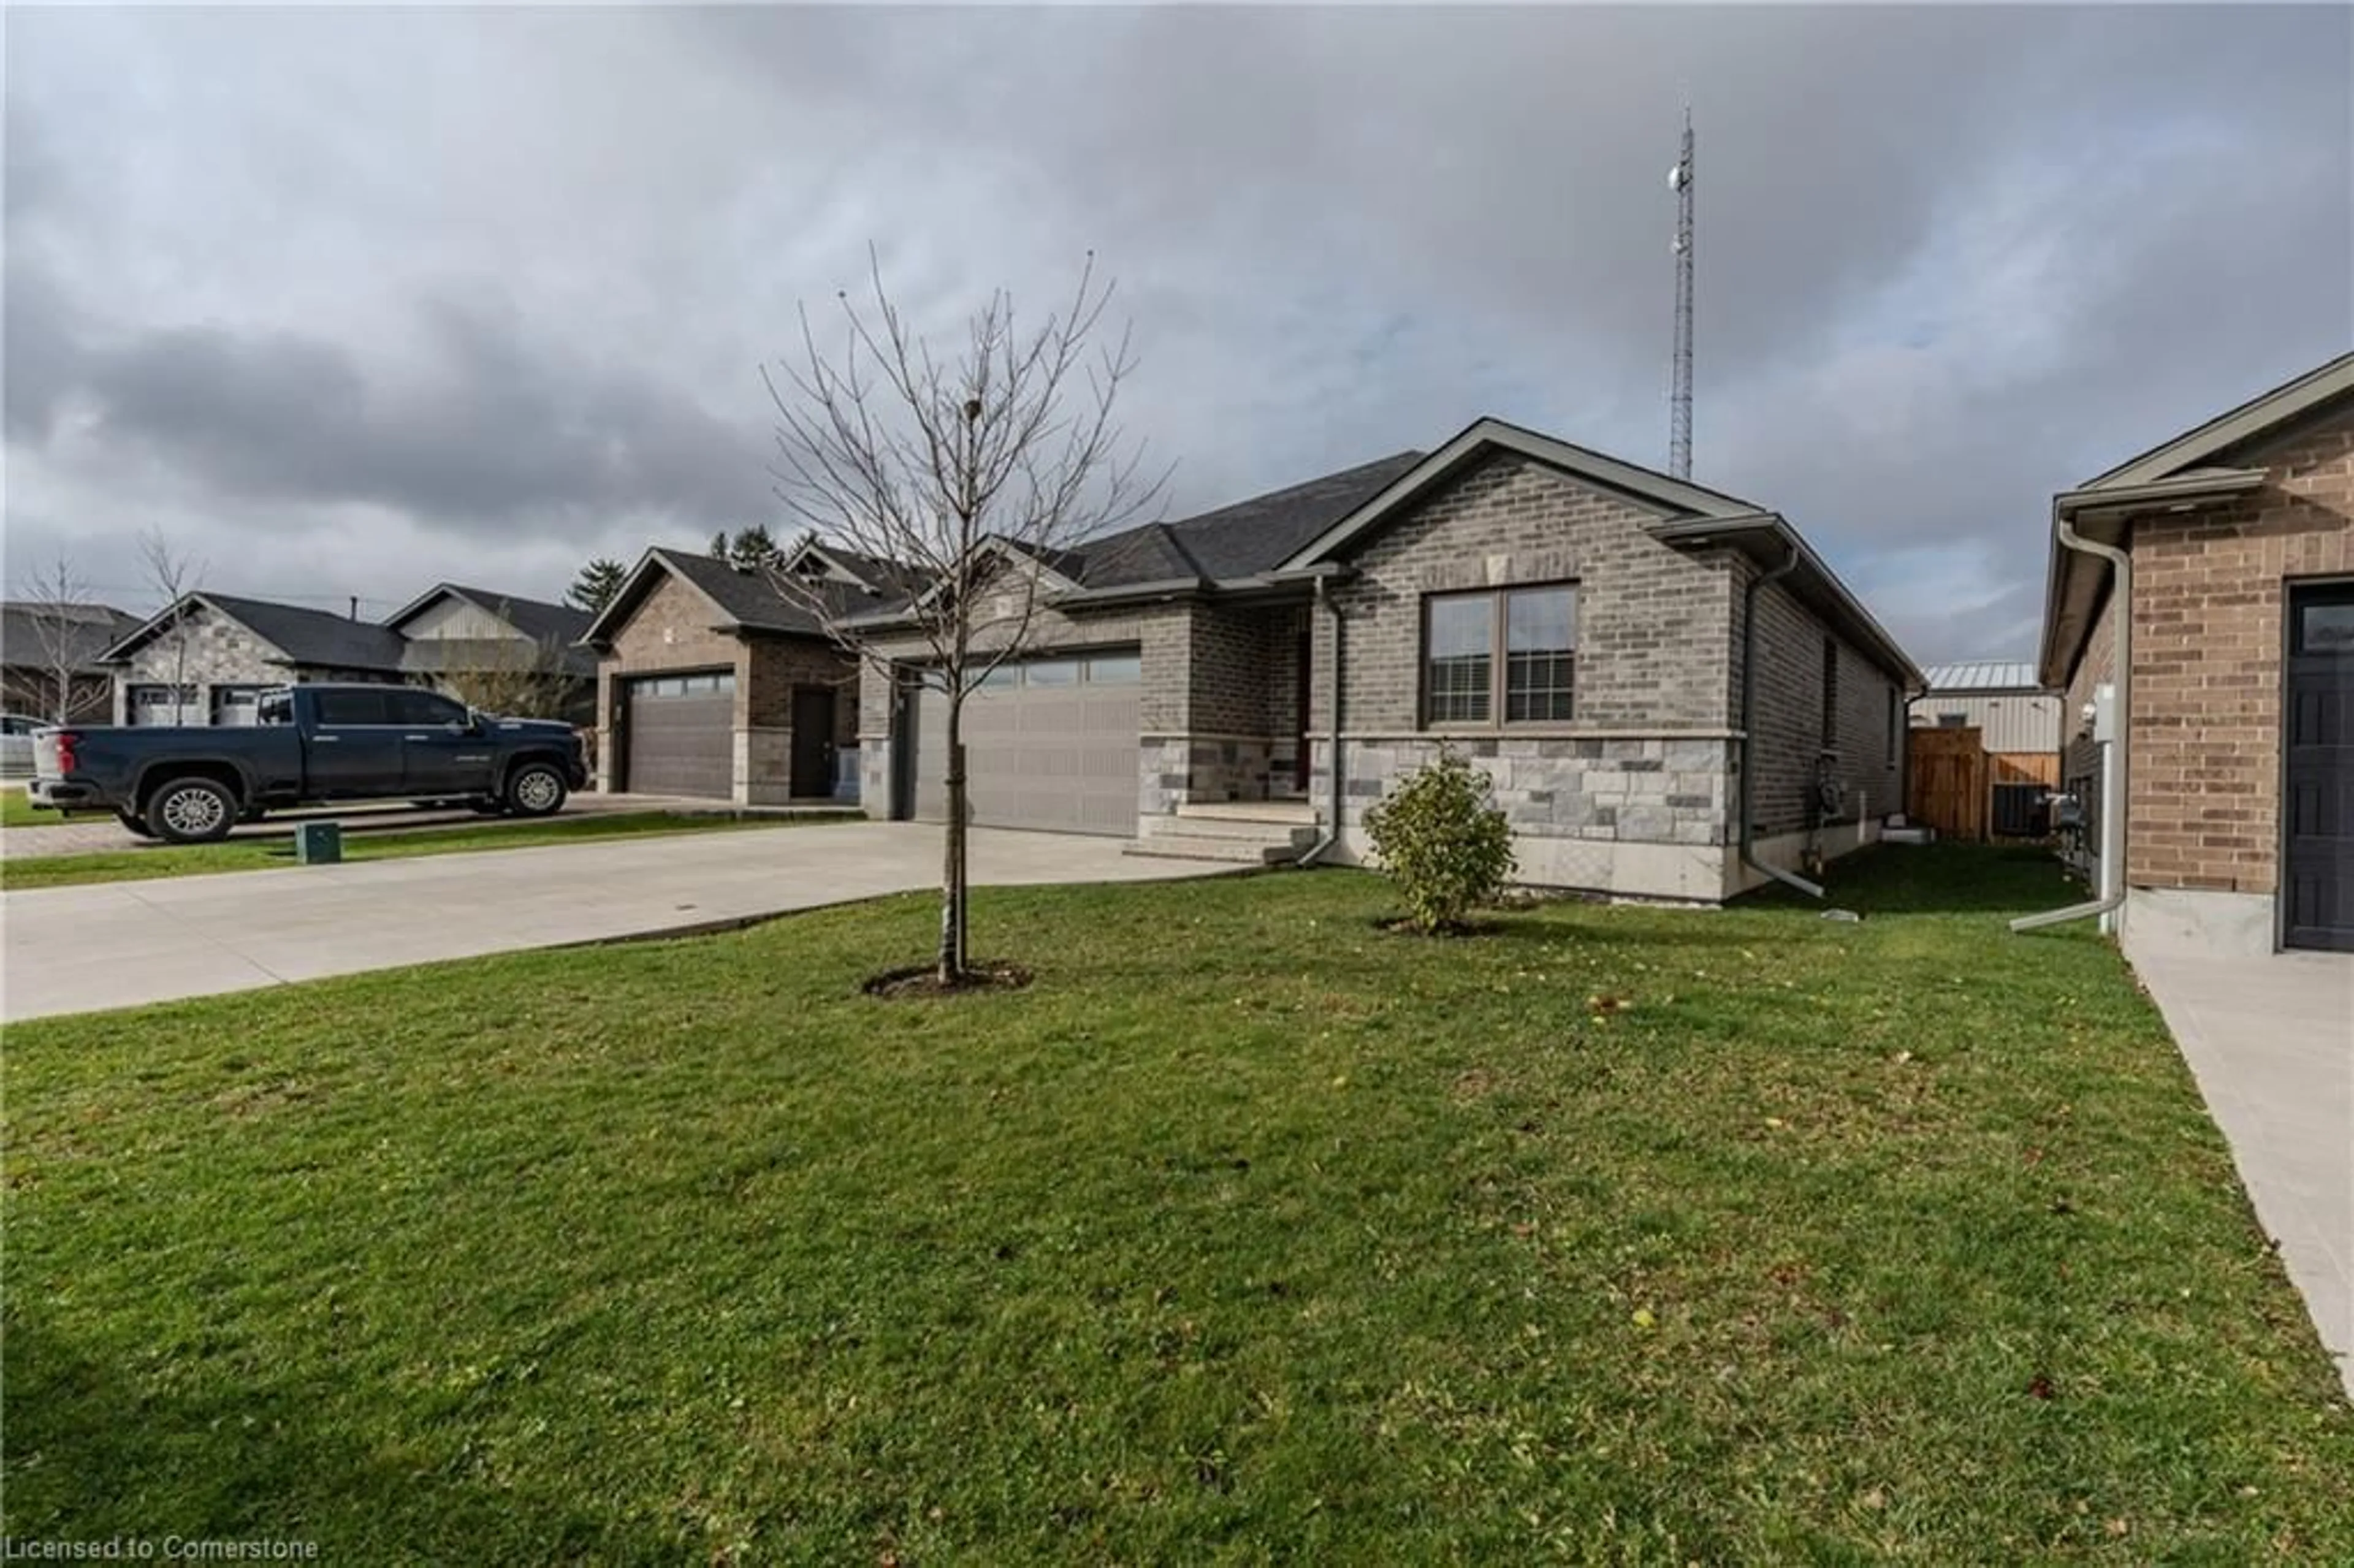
1748 703
2117 753
1332 824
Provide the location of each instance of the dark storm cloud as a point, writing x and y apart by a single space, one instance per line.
1951 259
490 429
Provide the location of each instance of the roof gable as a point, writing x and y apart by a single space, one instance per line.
1672 498
2236 427
311 638
535 619
740 601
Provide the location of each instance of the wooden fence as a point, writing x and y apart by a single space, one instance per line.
1951 781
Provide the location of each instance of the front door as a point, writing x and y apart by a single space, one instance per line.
812 743
2317 804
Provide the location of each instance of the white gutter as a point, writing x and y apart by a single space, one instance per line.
2117 758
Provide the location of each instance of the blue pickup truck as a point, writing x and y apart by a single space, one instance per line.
312 744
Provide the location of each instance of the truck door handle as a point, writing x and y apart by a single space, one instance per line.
413 737
324 740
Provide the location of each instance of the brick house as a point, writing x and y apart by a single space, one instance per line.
2236 542
221 651
710 682
1241 684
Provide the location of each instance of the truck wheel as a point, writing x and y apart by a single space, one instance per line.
192 811
135 823
536 789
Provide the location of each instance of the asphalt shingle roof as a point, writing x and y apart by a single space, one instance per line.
749 599
316 636
89 630
1240 540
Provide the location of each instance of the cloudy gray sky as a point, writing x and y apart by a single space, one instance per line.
348 301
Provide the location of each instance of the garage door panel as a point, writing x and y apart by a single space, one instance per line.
1059 756
681 737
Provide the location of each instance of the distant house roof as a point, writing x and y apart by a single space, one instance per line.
556 625
307 638
88 630
1983 675
533 617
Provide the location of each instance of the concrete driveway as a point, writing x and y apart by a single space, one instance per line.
2271 1041
82 949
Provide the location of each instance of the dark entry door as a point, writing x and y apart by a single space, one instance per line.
813 742
2318 806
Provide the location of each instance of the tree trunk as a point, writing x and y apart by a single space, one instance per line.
952 869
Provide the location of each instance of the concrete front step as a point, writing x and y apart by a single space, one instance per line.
1238 852
1292 812
1239 828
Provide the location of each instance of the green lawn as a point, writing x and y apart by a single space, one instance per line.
261 854
16 811
1247 1233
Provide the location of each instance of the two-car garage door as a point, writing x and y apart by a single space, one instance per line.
1049 744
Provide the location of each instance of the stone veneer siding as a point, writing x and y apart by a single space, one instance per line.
220 652
675 630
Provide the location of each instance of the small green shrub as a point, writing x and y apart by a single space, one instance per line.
1441 842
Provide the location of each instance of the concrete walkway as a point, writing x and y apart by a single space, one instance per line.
2271 1041
82 949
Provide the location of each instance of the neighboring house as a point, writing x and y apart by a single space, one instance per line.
236 648
1984 756
486 648
208 658
33 634
1572 622
2237 700
710 682
2000 698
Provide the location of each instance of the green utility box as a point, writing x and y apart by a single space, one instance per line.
318 843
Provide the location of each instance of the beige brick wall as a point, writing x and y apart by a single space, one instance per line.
1788 744
2209 591
1653 623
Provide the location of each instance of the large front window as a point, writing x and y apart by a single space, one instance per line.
1510 652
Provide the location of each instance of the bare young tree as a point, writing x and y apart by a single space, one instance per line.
57 614
513 678
963 475
171 575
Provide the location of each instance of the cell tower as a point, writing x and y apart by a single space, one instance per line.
1680 394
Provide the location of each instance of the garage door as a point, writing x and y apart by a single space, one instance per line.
2318 882
679 735
152 705
1049 744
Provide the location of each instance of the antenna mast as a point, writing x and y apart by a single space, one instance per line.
1680 396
